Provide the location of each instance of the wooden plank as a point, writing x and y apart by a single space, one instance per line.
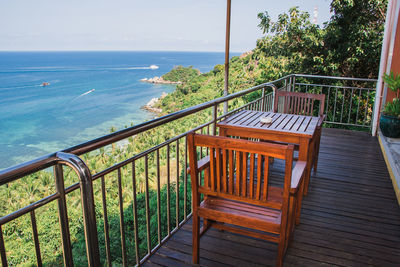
304 125
235 116
259 175
224 171
212 169
238 172
265 182
291 123
244 119
252 168
244 174
218 168
283 124
276 122
255 119
231 171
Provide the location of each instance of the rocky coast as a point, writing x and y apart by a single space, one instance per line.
158 80
151 105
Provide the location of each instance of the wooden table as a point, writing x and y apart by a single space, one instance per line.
287 128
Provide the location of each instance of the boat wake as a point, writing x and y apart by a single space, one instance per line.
151 67
86 93
69 104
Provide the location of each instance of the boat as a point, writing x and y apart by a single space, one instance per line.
45 84
153 67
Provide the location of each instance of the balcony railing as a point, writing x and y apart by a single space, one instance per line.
140 193
349 101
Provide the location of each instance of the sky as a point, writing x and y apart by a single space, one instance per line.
160 25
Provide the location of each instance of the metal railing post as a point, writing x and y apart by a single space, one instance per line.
215 116
263 99
2 249
63 216
294 83
87 198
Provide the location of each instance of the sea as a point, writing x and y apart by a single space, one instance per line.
50 101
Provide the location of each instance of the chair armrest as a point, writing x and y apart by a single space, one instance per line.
297 175
202 164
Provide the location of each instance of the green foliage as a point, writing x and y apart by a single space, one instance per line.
181 74
296 45
354 36
218 68
349 44
393 108
393 82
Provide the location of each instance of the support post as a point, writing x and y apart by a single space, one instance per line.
88 208
215 117
63 216
227 36
263 99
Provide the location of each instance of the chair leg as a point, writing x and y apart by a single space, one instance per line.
300 194
206 225
310 157
281 252
196 238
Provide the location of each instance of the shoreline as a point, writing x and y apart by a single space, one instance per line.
150 106
158 80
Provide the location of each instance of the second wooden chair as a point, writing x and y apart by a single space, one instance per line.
303 104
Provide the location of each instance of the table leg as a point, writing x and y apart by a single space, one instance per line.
310 162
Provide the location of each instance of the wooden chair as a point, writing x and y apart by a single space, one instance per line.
302 104
237 195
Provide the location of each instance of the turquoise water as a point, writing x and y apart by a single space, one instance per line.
89 92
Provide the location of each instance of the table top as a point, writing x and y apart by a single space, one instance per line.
291 124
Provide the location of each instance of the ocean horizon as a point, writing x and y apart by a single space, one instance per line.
52 100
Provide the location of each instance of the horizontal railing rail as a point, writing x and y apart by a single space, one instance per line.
334 78
145 192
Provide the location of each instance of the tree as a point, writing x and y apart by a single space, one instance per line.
295 42
354 36
348 45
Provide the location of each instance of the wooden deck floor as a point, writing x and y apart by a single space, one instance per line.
349 218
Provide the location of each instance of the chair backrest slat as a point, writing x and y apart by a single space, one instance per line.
218 168
266 172
238 168
244 174
231 171
251 183
212 168
298 103
238 173
259 167
224 171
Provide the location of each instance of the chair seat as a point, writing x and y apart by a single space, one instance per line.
241 214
